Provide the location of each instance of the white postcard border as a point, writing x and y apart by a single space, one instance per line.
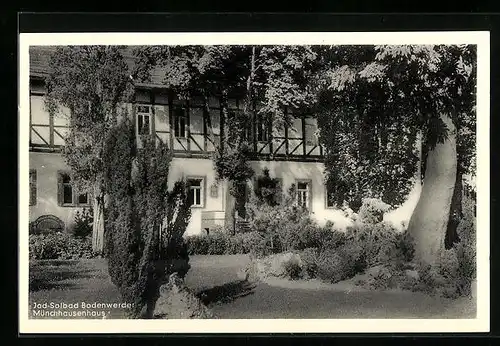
479 324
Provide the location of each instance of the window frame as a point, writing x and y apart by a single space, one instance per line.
202 189
143 114
334 206
33 187
309 193
75 194
311 137
176 118
262 134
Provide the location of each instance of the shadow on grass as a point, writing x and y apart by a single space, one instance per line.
54 275
226 293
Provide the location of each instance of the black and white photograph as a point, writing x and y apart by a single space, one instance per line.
240 182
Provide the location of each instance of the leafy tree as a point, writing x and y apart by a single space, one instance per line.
207 71
144 221
266 78
92 82
380 109
407 89
369 151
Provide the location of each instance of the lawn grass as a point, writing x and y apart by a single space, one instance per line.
216 280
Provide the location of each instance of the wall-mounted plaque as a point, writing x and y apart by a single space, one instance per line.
214 191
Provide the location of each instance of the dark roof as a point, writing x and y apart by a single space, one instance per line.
40 56
39 60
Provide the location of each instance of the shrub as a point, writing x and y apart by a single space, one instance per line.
83 223
292 268
220 242
380 277
283 265
333 267
284 227
46 246
405 245
267 189
245 243
330 238
309 263
444 278
217 242
145 222
198 244
382 243
59 246
340 264
372 210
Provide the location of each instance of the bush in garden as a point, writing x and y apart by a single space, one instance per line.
83 223
309 259
221 242
451 276
380 277
381 243
340 264
79 248
59 246
333 267
46 246
466 248
244 243
293 269
405 245
283 265
372 210
198 244
330 238
217 243
284 226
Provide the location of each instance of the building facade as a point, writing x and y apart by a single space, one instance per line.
290 153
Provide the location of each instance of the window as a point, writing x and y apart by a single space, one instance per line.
67 189
311 135
262 130
196 192
144 122
32 186
68 195
303 194
330 200
180 123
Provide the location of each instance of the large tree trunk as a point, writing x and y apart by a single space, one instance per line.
98 222
429 222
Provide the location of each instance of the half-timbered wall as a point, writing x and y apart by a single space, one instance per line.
47 132
184 126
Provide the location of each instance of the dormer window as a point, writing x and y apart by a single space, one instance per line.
144 120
